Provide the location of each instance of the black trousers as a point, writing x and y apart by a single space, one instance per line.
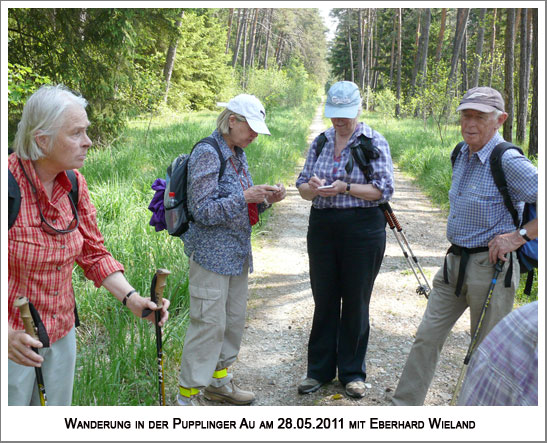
345 248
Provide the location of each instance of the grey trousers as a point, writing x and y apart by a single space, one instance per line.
443 310
218 304
57 370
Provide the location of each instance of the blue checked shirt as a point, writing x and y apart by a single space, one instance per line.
324 167
477 212
220 236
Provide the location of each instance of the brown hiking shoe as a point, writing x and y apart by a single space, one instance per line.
229 393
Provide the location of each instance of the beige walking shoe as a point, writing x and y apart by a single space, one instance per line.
229 393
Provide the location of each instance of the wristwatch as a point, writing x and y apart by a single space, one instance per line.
523 233
348 187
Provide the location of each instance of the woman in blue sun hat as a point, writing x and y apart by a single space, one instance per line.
346 239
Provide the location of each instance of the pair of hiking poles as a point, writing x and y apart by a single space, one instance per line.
30 322
423 287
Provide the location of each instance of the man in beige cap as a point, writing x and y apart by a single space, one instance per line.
481 231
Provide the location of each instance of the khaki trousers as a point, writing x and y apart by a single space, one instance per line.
443 310
218 305
57 370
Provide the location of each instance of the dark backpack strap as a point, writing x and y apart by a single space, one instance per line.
14 199
321 140
212 141
74 191
499 177
455 153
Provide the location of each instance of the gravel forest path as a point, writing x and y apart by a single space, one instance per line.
273 355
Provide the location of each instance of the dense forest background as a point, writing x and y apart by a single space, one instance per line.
407 61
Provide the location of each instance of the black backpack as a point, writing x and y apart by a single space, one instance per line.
362 152
177 214
527 254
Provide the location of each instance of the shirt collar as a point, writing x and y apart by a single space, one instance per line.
360 128
61 179
486 150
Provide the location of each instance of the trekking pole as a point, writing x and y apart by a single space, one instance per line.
22 304
497 269
393 223
156 295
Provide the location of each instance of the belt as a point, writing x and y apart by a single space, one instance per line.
464 253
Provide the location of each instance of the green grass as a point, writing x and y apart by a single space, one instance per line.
116 359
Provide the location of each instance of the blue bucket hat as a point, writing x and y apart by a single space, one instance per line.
343 100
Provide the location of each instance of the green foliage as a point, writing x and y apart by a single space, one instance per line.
201 71
281 88
384 103
22 82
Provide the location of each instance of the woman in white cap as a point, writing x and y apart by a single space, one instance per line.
346 239
218 244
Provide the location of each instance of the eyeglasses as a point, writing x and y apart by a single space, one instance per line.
72 226
47 228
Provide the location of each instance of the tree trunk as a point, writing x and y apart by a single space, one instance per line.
441 36
463 64
461 26
420 68
478 51
533 143
417 37
524 77
241 20
492 49
375 70
399 56
509 68
361 49
268 36
252 38
170 59
230 19
368 68
244 43
392 59
459 35
349 44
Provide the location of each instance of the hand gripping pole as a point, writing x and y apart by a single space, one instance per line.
156 295
22 304
393 223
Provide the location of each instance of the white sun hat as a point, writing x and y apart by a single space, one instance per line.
250 107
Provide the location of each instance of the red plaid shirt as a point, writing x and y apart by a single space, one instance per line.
40 264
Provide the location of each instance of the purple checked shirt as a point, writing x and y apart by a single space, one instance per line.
477 212
324 167
503 370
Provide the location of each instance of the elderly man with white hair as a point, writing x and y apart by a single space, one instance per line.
481 231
